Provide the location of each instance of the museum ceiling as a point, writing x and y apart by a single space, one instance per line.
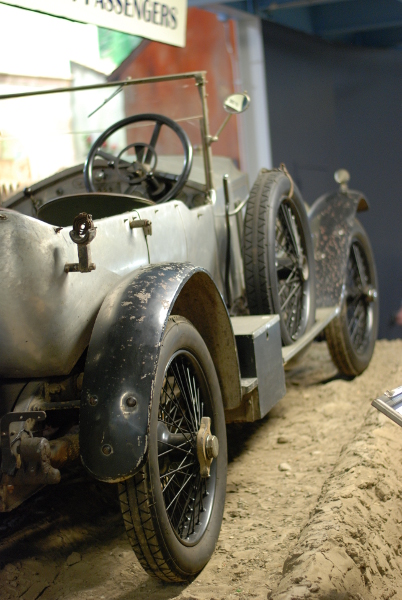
376 23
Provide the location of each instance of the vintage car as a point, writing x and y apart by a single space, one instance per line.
147 299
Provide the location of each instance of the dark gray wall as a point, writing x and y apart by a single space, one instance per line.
332 106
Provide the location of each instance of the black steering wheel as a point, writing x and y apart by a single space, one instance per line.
136 164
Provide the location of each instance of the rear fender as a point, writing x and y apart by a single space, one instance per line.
118 387
331 220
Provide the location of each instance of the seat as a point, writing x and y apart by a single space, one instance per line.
61 211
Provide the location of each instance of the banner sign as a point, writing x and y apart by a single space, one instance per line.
163 21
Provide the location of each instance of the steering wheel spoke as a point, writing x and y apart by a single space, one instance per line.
136 163
154 139
106 155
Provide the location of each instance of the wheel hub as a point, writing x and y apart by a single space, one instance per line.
207 447
303 266
370 294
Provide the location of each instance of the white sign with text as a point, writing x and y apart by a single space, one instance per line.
163 21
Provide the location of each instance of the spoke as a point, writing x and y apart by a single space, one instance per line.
193 390
353 292
180 430
192 518
286 211
359 263
189 478
188 508
358 327
198 404
139 153
175 401
152 143
173 448
288 280
180 411
292 293
109 157
200 504
355 317
178 470
285 261
183 392
181 465
285 245
288 283
173 415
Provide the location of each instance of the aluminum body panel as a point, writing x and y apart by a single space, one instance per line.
122 362
238 188
47 315
331 220
238 191
201 240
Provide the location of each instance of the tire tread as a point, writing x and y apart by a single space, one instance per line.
345 358
260 287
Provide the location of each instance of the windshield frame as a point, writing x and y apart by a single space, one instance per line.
199 80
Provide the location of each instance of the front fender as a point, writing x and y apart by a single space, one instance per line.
123 354
332 218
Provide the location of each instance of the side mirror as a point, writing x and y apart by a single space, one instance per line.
237 103
234 105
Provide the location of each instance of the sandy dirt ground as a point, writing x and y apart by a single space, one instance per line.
313 509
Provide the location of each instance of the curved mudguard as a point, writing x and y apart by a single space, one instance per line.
331 220
123 356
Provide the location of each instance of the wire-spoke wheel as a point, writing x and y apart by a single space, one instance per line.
278 255
173 507
351 336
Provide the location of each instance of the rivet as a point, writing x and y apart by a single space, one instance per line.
107 449
131 401
93 400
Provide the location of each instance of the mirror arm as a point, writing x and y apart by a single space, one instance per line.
214 138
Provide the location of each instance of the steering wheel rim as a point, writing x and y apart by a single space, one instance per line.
96 150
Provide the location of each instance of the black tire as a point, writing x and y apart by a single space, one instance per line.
174 536
278 247
352 335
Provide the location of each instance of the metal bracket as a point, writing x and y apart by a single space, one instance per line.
36 466
9 461
145 224
82 234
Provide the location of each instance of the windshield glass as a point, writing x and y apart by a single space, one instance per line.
45 134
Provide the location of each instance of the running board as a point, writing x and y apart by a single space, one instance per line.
259 344
262 359
323 317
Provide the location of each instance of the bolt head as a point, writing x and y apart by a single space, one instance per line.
93 400
107 449
212 447
131 401
371 294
